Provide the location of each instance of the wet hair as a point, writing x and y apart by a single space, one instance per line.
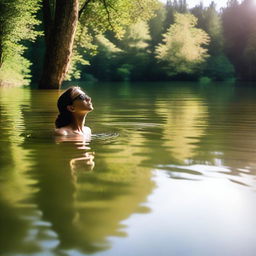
65 116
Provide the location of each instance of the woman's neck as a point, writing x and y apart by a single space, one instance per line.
78 122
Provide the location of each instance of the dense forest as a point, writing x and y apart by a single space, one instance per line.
126 41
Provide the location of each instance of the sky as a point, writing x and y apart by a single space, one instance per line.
192 3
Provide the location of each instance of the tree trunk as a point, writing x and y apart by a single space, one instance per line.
59 43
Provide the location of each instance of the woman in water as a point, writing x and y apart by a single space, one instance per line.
73 105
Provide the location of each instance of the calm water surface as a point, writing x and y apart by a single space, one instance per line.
174 173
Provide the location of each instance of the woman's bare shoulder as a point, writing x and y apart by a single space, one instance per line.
87 129
62 131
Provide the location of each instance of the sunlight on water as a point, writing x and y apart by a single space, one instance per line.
200 172
197 218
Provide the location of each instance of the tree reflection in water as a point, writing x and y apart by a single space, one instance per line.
85 202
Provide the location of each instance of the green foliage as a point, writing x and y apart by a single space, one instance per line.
136 51
107 46
180 6
156 25
182 49
83 44
132 49
138 40
17 22
115 15
15 71
192 45
136 37
171 8
125 72
102 16
219 68
103 63
204 80
74 70
210 21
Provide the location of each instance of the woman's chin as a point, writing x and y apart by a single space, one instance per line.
90 108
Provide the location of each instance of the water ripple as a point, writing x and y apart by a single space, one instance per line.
201 171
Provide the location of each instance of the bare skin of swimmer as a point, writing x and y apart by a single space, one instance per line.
79 109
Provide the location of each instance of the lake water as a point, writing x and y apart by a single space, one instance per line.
174 172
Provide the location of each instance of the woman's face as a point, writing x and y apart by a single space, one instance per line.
81 101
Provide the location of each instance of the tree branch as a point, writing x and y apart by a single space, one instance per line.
83 8
108 13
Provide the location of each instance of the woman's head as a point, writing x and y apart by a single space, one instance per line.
72 102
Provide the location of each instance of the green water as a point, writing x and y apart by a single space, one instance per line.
174 173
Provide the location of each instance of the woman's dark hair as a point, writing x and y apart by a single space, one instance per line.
65 116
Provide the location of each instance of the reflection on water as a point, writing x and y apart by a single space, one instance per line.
165 163
200 172
186 121
16 186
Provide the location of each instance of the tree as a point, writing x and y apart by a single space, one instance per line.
249 56
124 59
17 22
61 21
210 21
156 26
219 68
239 32
213 27
171 8
136 36
136 53
102 64
182 48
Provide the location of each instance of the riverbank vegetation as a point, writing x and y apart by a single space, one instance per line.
125 40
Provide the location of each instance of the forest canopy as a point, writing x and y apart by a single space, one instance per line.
117 40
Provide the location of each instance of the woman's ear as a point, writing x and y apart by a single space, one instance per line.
70 108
